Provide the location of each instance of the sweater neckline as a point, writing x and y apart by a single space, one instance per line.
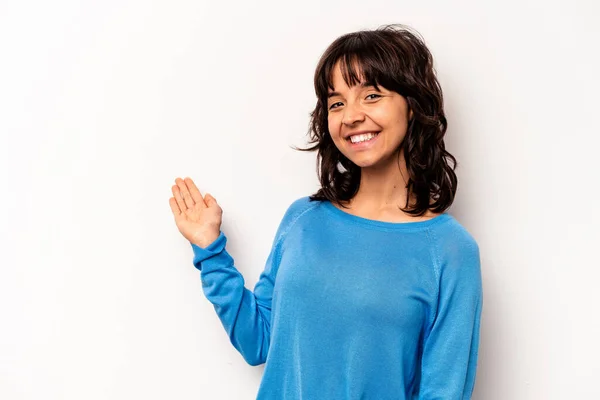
395 226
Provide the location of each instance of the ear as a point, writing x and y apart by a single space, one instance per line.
410 115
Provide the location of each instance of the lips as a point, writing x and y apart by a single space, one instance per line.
363 145
370 136
349 135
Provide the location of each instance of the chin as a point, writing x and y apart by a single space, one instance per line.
366 163
372 161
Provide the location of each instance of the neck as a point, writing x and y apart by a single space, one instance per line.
383 186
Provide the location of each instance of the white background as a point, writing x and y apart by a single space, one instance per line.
103 104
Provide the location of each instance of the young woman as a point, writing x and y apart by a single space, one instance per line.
371 289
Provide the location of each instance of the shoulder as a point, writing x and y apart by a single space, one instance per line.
298 209
452 237
455 250
304 202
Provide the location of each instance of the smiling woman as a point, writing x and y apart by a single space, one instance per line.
375 109
359 298
381 82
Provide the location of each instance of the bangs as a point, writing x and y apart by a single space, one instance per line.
355 70
360 62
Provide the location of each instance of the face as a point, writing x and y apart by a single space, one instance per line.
364 109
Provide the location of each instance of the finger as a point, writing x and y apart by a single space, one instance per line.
210 200
178 198
174 207
185 193
196 195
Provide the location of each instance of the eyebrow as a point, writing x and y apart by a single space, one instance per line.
362 85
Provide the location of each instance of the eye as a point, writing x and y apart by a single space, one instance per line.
373 94
331 107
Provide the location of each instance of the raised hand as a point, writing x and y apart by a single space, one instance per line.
197 218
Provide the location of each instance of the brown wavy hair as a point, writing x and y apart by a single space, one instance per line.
395 57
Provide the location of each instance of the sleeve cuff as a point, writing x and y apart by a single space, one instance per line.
201 254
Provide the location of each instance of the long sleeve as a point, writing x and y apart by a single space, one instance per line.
245 314
450 346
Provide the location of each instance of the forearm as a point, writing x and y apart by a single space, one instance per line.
237 307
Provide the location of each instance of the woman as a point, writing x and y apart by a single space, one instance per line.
371 290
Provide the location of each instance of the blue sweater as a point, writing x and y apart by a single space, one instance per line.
349 308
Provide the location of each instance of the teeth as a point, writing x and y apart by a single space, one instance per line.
362 138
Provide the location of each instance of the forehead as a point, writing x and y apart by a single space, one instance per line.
347 75
335 92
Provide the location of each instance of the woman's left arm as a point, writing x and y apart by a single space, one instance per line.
451 342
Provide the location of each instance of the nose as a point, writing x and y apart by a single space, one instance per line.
353 113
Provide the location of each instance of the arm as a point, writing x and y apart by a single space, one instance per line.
245 315
451 341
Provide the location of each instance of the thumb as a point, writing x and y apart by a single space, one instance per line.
209 200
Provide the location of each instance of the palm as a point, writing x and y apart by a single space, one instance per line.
193 221
194 215
197 218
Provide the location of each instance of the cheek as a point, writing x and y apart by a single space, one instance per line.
390 120
381 116
333 126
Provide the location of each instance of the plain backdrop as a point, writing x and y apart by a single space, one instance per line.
104 103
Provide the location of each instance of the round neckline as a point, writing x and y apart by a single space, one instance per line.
412 225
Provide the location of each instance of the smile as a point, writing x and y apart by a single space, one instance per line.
363 141
363 137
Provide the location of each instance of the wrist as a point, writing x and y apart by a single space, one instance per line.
205 241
